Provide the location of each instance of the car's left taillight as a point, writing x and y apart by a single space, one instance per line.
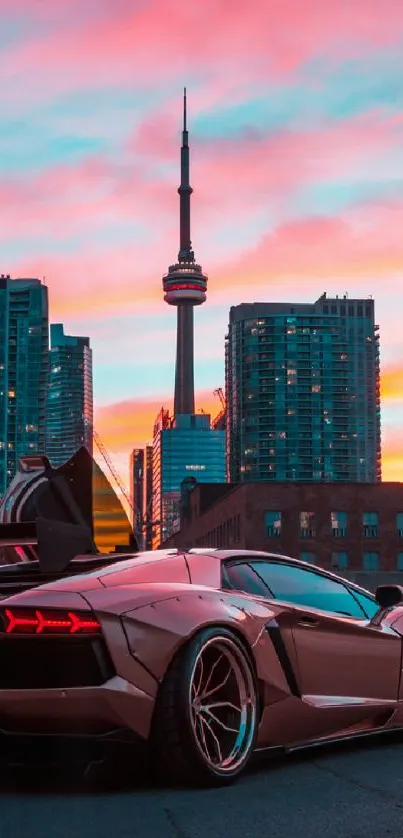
48 621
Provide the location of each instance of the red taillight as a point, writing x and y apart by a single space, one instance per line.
36 621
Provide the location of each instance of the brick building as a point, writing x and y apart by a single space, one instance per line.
344 526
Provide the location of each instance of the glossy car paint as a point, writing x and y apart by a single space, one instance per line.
319 676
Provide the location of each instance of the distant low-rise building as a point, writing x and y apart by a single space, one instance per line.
344 526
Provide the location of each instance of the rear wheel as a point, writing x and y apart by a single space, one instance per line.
206 713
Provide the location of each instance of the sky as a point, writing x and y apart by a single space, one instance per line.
295 112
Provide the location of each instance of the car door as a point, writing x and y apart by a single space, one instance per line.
342 656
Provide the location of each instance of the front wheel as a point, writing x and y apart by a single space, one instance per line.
206 714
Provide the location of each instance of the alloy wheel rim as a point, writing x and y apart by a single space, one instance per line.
222 702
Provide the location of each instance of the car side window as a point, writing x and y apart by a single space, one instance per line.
241 577
305 587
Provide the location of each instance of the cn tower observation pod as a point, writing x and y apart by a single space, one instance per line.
185 283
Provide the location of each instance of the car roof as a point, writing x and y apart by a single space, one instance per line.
222 555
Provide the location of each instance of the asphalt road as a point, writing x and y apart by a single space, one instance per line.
354 792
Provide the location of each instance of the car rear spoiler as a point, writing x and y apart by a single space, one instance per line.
53 544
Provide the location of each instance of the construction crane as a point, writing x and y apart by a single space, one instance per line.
220 393
218 422
111 467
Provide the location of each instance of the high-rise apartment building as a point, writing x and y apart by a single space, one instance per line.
24 361
183 447
302 386
70 397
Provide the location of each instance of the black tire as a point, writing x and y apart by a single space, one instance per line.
178 747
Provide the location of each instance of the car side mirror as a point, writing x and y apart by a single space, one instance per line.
388 596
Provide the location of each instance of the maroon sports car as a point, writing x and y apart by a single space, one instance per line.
202 657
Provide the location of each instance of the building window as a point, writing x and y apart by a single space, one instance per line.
370 525
339 561
307 524
399 562
272 522
310 558
339 524
399 524
370 561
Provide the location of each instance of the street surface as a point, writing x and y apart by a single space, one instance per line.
353 792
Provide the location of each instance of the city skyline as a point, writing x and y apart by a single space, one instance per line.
296 165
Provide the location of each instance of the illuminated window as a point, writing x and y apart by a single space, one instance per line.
307 524
272 522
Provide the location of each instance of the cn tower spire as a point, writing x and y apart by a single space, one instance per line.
185 190
184 286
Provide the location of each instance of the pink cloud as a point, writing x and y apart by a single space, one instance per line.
245 174
364 243
161 39
267 171
89 197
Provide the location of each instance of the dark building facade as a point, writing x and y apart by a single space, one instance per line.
350 526
24 365
137 486
70 396
302 392
141 473
148 497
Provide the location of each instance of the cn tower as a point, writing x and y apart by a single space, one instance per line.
184 286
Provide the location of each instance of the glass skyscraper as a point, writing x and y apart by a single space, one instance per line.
70 398
302 386
24 362
183 447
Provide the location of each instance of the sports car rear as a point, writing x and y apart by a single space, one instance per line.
68 683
